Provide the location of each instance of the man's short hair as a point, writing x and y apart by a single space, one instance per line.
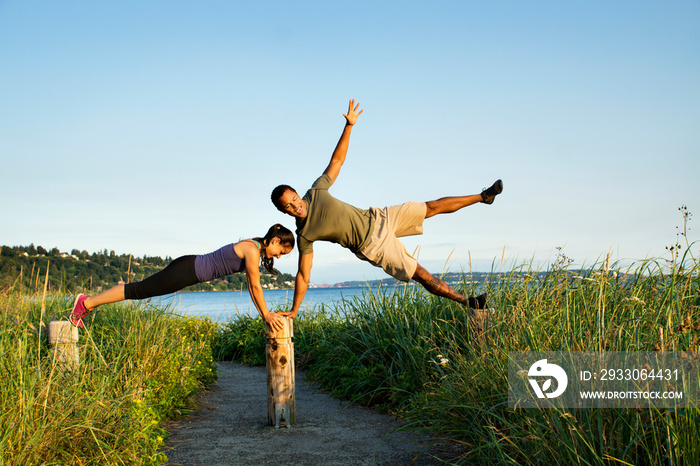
277 194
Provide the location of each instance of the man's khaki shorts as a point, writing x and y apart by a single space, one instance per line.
384 249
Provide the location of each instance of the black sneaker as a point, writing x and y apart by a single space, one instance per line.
478 302
489 194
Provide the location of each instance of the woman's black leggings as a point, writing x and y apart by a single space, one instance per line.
176 276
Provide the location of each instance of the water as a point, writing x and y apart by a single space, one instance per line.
222 306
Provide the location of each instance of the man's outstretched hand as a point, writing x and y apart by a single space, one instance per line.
289 314
352 114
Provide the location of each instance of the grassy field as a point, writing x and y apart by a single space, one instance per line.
398 349
138 366
412 354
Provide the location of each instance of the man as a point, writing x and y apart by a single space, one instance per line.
371 234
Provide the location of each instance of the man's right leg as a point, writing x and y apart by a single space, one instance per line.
439 288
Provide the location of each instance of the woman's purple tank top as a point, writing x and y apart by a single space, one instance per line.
217 264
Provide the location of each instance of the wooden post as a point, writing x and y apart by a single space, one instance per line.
279 352
479 319
63 336
479 322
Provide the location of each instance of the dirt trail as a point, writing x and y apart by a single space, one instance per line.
230 428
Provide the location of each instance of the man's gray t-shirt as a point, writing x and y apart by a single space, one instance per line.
329 219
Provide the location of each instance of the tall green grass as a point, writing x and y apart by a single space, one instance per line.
138 366
415 355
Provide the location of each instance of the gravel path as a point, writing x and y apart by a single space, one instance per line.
230 428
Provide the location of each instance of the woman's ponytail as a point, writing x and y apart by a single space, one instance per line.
286 238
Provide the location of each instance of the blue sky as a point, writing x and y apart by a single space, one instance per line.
160 128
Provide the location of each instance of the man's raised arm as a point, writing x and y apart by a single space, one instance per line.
341 149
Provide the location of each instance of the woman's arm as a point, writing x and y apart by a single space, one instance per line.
251 254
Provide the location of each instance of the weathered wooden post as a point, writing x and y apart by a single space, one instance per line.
63 336
279 352
479 319
479 322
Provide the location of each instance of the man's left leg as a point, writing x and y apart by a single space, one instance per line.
447 205
386 251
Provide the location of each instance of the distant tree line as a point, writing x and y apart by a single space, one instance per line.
25 266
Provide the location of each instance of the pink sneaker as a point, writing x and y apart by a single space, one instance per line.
79 311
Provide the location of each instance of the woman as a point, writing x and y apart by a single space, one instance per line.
188 270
